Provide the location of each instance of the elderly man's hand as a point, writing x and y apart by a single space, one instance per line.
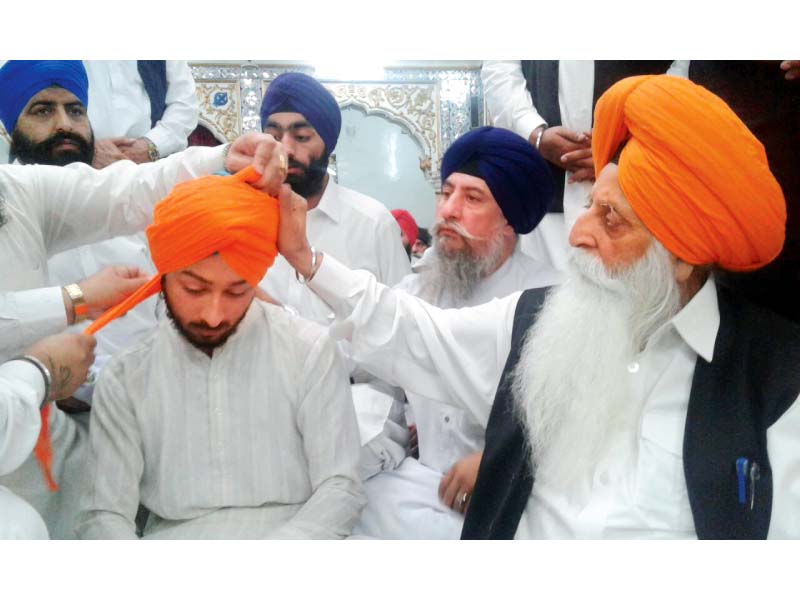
456 487
266 154
106 152
68 357
792 68
110 286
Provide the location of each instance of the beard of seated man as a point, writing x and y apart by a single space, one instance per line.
569 387
309 181
29 152
197 332
457 272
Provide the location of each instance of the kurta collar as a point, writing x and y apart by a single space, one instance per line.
698 322
329 203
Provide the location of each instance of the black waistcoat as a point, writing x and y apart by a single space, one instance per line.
753 379
542 80
154 77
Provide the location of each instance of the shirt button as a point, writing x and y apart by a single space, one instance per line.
447 419
633 367
603 478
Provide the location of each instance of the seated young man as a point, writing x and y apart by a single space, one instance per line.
234 419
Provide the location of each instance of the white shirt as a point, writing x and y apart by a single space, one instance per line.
446 433
22 389
421 348
79 263
357 230
259 440
119 104
51 209
21 393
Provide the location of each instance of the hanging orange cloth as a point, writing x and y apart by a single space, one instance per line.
214 214
693 173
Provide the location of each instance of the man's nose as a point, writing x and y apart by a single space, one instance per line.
582 234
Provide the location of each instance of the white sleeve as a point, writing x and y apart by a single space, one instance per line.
115 465
77 204
393 261
507 97
180 117
22 390
326 421
28 316
457 354
783 447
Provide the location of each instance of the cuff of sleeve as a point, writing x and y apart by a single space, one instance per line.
163 141
40 312
526 124
22 370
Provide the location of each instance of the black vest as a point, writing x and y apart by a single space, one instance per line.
753 379
154 78
542 80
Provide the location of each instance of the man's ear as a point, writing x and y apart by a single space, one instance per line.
683 271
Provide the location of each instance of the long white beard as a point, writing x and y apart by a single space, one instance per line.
571 384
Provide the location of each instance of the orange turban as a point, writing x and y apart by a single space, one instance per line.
692 171
197 218
202 217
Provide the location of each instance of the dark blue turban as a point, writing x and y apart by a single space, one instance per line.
21 80
512 168
296 92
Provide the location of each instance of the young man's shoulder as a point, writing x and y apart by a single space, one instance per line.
363 206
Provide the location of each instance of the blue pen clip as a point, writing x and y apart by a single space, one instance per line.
742 465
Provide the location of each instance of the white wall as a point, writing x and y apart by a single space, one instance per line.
379 158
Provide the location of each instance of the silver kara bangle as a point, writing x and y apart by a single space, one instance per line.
48 380
539 136
314 267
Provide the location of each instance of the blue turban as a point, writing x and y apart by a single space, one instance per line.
21 80
296 92
512 168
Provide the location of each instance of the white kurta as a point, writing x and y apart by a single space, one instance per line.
640 490
119 104
356 229
22 389
405 503
258 441
51 209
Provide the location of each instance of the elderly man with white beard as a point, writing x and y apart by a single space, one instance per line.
495 187
639 399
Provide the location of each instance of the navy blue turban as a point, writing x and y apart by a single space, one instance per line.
296 92
512 168
21 80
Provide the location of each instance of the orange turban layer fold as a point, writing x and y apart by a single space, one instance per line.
197 218
691 170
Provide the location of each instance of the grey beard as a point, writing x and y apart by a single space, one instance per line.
452 277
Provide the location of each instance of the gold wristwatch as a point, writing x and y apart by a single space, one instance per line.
152 151
80 309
